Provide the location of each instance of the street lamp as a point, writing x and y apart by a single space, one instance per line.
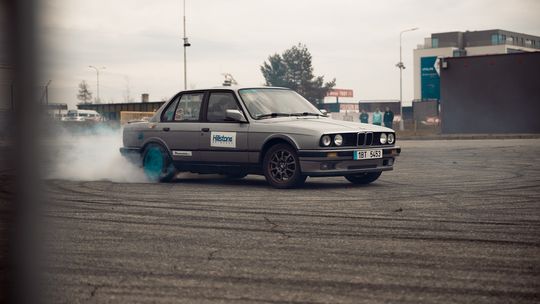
47 92
98 100
186 44
401 67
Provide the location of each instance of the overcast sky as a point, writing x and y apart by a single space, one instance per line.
355 41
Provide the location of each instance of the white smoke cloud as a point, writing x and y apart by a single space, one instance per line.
90 156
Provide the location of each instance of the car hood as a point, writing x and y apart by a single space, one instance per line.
320 124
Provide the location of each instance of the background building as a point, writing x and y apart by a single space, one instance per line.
460 44
112 111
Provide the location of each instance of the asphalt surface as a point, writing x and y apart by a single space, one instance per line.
456 221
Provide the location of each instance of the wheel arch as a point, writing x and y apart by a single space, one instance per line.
274 140
155 140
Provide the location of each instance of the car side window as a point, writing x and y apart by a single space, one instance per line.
168 115
218 104
189 107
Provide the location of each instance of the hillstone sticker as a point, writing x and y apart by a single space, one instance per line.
223 139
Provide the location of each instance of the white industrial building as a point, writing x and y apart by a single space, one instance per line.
458 44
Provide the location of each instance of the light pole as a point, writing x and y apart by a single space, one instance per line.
98 100
401 67
47 92
186 44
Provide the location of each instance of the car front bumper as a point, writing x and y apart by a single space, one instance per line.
341 162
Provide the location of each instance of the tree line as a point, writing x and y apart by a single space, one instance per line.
293 69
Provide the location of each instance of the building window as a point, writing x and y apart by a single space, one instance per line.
435 42
495 39
456 53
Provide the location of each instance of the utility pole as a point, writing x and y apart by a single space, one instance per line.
47 92
98 100
401 67
186 44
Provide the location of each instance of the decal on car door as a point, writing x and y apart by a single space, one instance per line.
223 139
182 153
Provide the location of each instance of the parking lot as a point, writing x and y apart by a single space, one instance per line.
456 221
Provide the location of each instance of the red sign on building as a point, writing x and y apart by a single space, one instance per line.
340 93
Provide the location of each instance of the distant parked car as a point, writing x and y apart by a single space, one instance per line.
82 115
237 131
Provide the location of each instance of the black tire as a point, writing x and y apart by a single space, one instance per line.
157 164
281 167
363 178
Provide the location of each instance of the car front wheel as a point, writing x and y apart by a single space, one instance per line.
157 164
363 178
282 168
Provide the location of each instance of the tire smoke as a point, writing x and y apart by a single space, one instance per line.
90 155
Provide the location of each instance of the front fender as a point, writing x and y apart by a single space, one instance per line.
284 137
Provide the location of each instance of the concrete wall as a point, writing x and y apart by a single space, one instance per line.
491 94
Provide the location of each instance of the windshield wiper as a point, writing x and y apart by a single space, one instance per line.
272 115
306 114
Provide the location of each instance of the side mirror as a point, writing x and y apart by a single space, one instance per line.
324 112
235 115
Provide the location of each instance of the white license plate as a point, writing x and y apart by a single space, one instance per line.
367 154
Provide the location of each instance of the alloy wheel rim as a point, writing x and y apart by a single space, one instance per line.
282 166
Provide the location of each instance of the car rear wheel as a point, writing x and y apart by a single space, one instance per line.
364 178
157 164
281 167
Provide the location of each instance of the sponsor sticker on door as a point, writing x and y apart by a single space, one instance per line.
223 139
181 153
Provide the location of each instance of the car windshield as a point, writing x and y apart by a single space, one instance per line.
267 103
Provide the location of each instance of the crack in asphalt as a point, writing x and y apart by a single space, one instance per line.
93 291
211 254
274 226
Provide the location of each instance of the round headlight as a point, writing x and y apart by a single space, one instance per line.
338 140
326 140
391 138
383 138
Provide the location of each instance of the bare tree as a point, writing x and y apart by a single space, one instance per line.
84 95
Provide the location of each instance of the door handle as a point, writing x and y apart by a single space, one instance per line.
205 129
166 129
